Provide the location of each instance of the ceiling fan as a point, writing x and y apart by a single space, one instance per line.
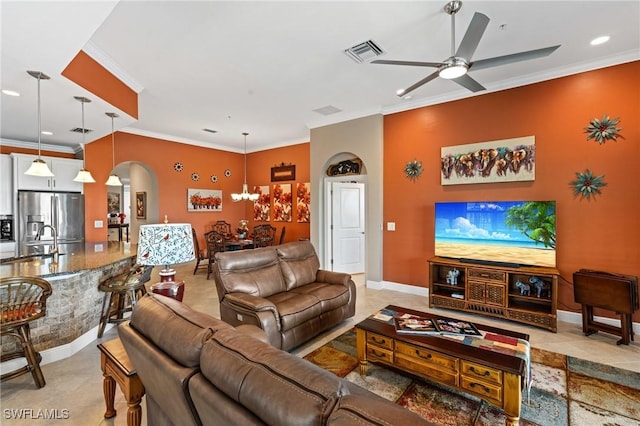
456 67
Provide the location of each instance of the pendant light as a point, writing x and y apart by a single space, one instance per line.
245 195
39 167
113 180
83 175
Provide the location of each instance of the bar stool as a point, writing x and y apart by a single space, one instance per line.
121 294
22 300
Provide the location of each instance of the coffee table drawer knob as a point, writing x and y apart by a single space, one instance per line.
419 354
473 370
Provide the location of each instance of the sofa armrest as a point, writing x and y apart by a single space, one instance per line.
332 277
241 308
251 302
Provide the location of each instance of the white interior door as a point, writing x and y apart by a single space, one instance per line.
347 214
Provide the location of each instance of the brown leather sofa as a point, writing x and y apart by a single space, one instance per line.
282 290
198 370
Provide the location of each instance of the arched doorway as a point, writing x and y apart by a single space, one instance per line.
345 214
138 181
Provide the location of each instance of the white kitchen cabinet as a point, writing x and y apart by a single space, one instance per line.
6 185
64 169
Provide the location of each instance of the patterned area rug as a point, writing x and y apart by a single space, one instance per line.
565 390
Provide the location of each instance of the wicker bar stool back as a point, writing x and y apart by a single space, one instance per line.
22 300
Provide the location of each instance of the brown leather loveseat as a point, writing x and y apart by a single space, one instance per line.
282 290
198 370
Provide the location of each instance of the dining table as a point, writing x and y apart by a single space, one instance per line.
237 244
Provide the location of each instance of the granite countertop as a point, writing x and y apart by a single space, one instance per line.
92 256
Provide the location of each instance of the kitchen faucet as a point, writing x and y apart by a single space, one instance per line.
54 251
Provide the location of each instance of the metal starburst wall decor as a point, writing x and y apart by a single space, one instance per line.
587 184
413 169
603 130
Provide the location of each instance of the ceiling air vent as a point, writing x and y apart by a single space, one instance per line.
364 52
81 130
210 130
327 110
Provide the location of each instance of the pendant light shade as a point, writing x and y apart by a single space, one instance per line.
83 175
245 195
113 180
39 167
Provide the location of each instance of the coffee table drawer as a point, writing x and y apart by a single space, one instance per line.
375 353
431 372
486 374
421 355
482 389
379 340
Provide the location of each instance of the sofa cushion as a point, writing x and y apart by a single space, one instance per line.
330 296
295 308
174 328
272 384
256 272
299 263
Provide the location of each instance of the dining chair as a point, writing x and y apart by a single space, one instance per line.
215 243
264 235
22 299
224 228
201 255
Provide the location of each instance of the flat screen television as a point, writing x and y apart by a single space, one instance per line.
514 233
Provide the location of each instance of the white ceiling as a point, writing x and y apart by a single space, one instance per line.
263 67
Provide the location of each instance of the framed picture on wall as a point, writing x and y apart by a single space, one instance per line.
113 202
141 205
204 200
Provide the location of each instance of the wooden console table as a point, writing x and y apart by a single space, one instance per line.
119 227
116 367
496 377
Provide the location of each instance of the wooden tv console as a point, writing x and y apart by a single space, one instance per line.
492 290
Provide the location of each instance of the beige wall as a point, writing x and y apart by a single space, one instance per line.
362 138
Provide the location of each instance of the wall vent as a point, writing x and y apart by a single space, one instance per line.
364 52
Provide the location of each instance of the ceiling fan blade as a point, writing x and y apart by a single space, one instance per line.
472 37
410 63
514 57
469 83
419 83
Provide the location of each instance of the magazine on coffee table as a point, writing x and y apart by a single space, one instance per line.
411 324
453 327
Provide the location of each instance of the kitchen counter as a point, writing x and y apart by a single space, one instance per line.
73 309
81 257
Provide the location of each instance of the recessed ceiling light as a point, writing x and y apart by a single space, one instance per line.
46 132
10 92
599 40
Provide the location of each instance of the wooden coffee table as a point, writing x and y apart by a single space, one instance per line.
495 377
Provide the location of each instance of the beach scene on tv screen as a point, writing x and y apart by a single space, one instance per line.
518 232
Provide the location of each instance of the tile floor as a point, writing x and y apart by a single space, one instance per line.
73 392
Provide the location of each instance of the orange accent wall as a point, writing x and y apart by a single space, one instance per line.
95 78
259 173
161 155
602 233
5 149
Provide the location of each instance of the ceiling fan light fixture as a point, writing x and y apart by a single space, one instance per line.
454 68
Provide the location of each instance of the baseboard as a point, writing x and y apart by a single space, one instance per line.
564 316
59 352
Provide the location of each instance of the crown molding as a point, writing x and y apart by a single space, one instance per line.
43 146
112 66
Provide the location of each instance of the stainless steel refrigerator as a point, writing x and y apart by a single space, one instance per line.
62 210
